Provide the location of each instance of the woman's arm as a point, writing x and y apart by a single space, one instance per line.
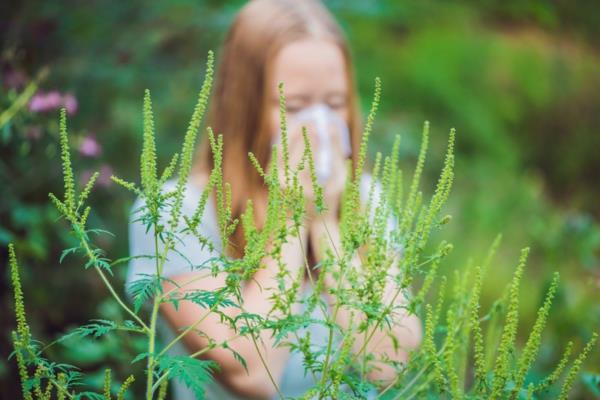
256 382
406 328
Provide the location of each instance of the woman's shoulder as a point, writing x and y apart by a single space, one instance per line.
189 251
193 189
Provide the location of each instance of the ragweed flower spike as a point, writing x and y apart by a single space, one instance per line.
555 375
362 155
535 337
22 337
570 379
409 208
187 150
121 394
501 370
22 367
22 327
394 171
66 162
87 190
148 158
284 135
318 190
475 325
107 381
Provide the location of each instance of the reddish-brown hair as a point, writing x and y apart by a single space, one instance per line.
241 97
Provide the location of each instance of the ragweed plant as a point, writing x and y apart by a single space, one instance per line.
382 269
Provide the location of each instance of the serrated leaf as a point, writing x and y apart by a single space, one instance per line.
100 231
97 329
143 289
66 252
207 298
194 373
237 356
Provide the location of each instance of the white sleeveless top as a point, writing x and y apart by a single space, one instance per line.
294 381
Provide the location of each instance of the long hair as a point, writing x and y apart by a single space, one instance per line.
240 100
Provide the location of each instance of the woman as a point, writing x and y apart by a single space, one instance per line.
271 41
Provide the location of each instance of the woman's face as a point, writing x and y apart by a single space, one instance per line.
312 71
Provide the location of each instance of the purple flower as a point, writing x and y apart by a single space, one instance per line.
90 147
44 102
49 101
70 103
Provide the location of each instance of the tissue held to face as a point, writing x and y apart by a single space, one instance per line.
313 72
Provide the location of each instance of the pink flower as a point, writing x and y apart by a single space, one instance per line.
44 102
70 103
90 147
49 101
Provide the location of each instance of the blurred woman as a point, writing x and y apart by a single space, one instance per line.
300 44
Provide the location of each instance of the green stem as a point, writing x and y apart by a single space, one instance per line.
335 313
118 299
105 279
187 330
19 103
262 360
153 320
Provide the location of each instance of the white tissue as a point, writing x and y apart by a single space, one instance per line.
326 123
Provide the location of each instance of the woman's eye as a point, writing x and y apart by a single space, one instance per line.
293 109
337 103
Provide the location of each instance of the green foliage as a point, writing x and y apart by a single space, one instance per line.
193 372
512 76
372 262
574 370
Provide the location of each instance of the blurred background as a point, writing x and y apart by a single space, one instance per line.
518 79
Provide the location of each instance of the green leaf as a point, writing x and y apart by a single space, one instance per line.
144 289
194 373
140 357
236 355
98 328
66 252
100 231
208 298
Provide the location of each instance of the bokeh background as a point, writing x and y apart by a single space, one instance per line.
518 79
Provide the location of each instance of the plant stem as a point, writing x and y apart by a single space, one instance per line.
153 319
186 331
264 363
106 282
335 312
196 278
